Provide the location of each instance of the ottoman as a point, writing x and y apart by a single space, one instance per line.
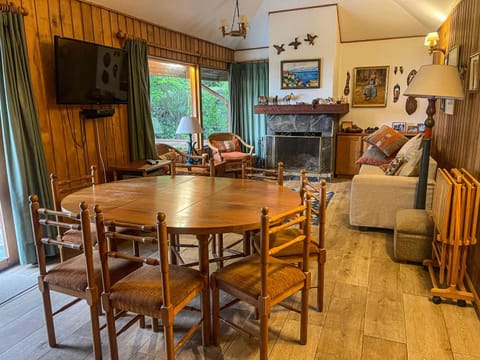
413 234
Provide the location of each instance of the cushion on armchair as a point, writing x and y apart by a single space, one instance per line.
227 145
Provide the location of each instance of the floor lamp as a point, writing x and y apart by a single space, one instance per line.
189 125
432 82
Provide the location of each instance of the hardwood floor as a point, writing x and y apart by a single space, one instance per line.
375 308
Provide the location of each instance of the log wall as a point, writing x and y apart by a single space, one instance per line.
71 142
456 137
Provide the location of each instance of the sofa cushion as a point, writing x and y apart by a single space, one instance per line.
394 165
226 145
373 156
412 164
387 140
411 146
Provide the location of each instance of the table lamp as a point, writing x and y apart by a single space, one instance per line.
189 125
432 82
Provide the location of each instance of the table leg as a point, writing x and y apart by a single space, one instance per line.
205 270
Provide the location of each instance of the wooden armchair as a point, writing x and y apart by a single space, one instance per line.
60 189
79 276
263 280
185 164
157 289
227 147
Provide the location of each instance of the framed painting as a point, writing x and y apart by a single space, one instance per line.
300 74
370 86
412 128
473 73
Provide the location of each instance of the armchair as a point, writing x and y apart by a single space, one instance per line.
227 148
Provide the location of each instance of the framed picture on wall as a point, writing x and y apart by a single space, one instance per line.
370 86
300 74
473 72
453 56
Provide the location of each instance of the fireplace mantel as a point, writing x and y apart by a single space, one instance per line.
339 109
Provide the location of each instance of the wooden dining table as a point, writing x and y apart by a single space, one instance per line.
194 205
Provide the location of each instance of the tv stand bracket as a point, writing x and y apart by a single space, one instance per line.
97 113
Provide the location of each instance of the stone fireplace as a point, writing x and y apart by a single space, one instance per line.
301 137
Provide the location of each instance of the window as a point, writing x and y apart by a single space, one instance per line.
173 94
215 101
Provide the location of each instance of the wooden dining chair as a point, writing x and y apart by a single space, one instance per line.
79 276
262 280
317 251
248 172
60 189
186 164
157 289
274 175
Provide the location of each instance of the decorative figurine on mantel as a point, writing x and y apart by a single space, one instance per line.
263 100
288 98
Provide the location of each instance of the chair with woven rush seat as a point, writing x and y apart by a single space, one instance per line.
227 147
62 188
185 164
294 254
79 276
250 172
260 174
157 289
263 280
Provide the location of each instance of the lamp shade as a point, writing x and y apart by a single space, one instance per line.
189 125
436 81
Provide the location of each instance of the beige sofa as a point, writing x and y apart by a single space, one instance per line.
375 197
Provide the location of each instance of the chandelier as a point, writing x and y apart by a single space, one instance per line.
241 24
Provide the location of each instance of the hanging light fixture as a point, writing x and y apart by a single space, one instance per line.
241 23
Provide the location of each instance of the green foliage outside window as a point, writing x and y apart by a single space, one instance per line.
170 99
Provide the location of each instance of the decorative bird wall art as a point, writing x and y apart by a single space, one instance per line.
310 39
295 43
279 48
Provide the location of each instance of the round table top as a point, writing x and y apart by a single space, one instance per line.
192 204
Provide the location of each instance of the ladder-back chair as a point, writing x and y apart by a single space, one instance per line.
262 280
60 189
79 276
157 289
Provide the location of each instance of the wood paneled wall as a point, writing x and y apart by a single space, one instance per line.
456 138
71 142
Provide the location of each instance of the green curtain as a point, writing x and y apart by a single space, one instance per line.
248 82
24 155
140 127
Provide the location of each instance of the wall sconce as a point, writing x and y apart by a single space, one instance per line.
431 41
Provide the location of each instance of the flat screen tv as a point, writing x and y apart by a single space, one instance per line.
87 73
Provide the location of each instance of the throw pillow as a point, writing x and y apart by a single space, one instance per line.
386 139
394 165
226 145
411 147
373 156
412 166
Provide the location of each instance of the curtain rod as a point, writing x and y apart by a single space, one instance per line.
124 36
13 8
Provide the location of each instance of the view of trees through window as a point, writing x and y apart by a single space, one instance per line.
172 96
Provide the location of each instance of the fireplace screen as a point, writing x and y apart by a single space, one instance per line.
298 152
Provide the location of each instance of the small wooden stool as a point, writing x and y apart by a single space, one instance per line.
412 240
